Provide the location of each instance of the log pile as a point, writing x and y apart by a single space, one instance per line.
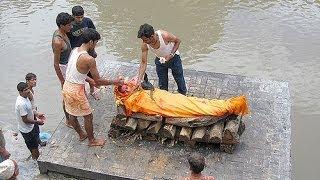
224 131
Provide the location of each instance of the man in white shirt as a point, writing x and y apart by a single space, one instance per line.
27 124
165 46
31 80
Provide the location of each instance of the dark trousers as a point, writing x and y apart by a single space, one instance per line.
177 72
32 138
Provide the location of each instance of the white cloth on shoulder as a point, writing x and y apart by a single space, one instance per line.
6 169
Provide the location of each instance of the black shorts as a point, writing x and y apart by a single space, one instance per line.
32 138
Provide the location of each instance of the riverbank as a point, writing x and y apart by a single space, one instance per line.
28 168
276 40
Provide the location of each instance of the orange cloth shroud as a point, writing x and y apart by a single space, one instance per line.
167 104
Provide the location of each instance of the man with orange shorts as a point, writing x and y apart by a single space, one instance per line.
76 102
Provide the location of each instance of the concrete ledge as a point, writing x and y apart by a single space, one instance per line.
263 152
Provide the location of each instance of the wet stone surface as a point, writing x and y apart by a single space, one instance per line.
263 152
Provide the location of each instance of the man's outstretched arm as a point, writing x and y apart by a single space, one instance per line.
143 63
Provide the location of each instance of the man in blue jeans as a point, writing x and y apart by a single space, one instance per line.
165 46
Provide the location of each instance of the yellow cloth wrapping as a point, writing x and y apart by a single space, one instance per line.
75 99
169 104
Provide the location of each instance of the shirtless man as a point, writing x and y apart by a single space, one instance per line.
61 50
197 164
76 102
165 46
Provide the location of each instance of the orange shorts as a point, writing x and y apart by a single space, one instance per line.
75 99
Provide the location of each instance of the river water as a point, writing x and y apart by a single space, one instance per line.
275 39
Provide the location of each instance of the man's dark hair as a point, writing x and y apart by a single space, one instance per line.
22 86
196 162
30 76
145 30
90 34
77 11
63 19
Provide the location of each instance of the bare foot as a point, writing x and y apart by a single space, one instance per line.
68 124
83 137
96 142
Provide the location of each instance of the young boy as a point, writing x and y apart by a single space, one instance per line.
31 80
27 123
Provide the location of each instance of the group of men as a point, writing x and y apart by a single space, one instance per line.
29 120
73 45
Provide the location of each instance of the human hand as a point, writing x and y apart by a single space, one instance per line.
40 115
168 57
41 121
91 82
43 118
119 80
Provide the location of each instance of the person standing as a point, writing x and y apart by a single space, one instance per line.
31 80
165 46
76 102
79 24
61 50
27 124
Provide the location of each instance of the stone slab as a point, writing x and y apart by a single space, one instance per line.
264 151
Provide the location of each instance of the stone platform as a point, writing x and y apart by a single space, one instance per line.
263 152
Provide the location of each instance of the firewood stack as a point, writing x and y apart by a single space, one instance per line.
224 131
